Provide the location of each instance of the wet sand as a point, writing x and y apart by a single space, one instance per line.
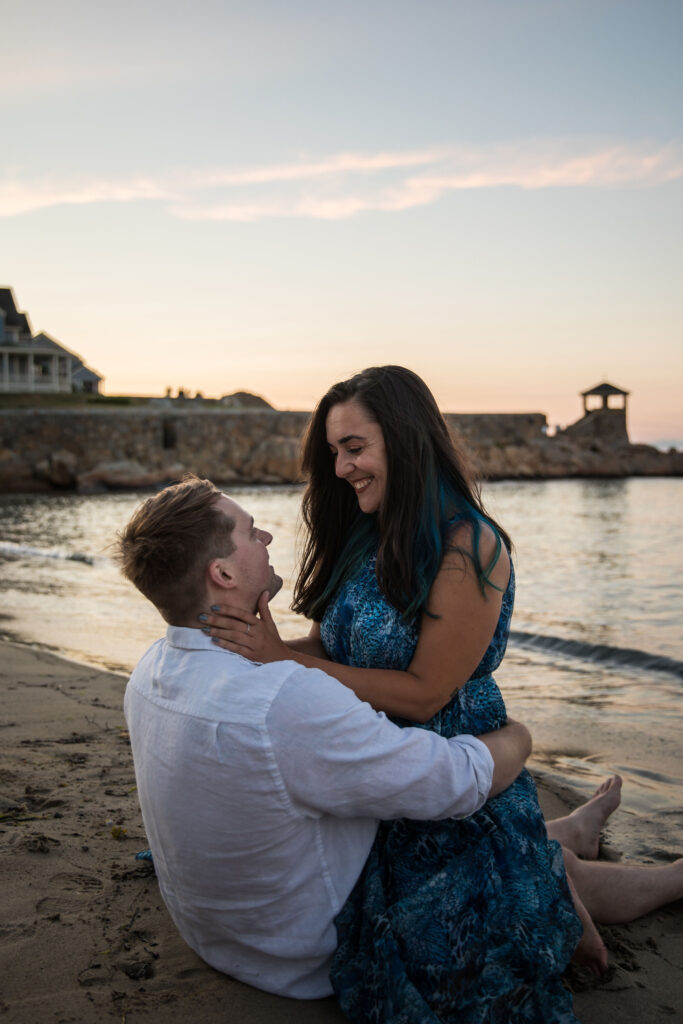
84 934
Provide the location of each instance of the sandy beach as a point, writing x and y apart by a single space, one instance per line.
84 934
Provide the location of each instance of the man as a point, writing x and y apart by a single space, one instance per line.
261 785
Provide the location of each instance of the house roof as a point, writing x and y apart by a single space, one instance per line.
83 372
13 318
604 389
46 341
43 342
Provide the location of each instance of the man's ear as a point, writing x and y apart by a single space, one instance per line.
219 572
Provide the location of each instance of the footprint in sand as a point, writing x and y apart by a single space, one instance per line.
39 843
74 889
12 931
95 974
188 973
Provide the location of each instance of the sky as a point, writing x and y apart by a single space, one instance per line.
270 196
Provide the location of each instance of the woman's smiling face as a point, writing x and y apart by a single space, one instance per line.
357 445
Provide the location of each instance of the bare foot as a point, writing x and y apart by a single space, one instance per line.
580 830
591 951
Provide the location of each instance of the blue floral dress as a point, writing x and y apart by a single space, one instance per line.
466 921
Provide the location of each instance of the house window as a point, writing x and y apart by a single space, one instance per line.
42 366
18 366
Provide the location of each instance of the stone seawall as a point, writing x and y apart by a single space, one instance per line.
91 450
497 427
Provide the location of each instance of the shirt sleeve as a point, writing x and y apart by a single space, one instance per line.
339 756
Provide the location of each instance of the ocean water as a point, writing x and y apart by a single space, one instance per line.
595 660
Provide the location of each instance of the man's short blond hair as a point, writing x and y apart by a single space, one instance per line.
165 548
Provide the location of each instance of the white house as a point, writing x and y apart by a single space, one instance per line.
37 363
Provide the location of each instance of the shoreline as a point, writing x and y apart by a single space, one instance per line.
113 479
86 936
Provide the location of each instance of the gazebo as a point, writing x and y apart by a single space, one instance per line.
604 391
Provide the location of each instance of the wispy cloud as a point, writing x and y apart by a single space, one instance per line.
344 185
17 196
333 166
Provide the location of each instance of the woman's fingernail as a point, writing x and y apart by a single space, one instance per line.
215 607
216 639
206 629
203 617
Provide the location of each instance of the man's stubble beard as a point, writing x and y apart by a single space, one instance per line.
275 585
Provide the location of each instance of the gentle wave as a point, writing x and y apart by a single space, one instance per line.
605 654
8 549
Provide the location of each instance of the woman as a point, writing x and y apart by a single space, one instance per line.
406 575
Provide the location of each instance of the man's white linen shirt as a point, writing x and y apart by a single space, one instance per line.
261 787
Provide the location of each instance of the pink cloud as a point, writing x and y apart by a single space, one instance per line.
347 184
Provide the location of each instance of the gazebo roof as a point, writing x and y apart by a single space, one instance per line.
604 389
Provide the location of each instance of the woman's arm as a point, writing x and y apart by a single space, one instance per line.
448 651
311 644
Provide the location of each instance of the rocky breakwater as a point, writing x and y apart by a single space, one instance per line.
554 458
95 450
516 446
